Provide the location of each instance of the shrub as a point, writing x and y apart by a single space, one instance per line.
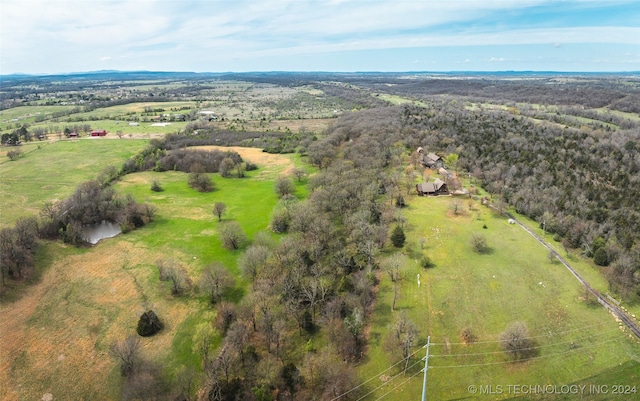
14 154
479 243
600 257
149 324
468 336
280 221
155 186
516 342
425 262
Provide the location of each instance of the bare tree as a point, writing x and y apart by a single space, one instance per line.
215 280
284 186
456 207
402 337
253 260
516 342
219 209
232 235
299 173
126 351
175 274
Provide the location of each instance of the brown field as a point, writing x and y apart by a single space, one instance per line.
55 338
268 162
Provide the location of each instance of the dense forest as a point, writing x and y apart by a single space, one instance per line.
583 185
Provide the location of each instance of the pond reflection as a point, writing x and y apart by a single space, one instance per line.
93 233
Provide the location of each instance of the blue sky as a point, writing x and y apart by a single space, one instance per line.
56 36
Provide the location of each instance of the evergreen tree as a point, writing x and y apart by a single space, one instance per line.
398 237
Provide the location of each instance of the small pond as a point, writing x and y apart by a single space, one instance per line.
93 233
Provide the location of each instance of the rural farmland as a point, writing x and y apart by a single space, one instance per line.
276 227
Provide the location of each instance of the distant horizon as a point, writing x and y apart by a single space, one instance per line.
63 36
452 72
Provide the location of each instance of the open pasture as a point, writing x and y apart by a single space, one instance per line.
514 281
87 298
52 171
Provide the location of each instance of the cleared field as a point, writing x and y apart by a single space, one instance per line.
56 335
28 114
52 172
395 100
514 282
132 108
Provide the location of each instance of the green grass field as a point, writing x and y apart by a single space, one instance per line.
51 171
514 282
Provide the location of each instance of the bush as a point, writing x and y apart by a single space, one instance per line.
516 342
600 257
149 324
425 262
280 221
479 244
155 186
14 154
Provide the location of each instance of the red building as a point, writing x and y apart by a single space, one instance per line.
99 132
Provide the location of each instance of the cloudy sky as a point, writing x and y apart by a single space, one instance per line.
55 36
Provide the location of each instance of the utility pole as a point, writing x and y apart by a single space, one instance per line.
426 366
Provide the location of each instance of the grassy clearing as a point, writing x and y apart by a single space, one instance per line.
396 100
514 282
28 114
58 332
128 109
51 171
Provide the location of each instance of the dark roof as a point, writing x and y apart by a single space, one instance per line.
433 157
431 187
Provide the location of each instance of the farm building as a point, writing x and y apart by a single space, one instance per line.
438 187
208 115
433 161
430 160
99 132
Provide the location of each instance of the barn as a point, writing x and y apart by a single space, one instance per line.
99 132
438 187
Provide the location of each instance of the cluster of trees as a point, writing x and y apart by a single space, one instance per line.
165 155
579 184
315 284
91 203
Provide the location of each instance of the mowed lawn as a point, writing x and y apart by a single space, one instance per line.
51 171
515 281
60 328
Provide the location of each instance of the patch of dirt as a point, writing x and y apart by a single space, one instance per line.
257 156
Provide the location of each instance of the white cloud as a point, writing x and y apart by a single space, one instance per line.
57 32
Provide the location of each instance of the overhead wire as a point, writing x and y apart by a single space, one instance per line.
477 354
376 376
526 348
530 337
524 360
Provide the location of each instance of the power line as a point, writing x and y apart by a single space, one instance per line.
387 382
527 348
378 375
532 337
473 365
524 360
